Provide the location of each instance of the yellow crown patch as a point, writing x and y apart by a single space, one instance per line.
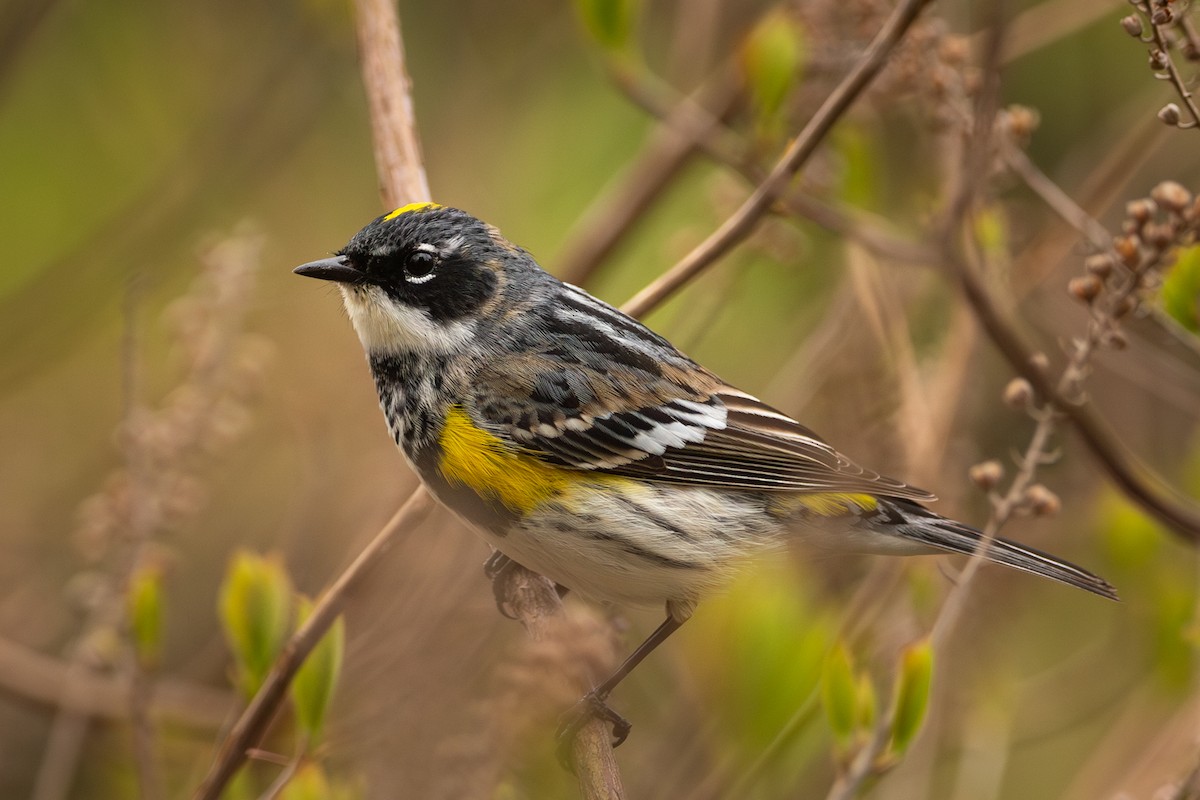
412 207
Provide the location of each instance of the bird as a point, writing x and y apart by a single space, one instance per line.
584 446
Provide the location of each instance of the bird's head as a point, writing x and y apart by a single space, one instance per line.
421 278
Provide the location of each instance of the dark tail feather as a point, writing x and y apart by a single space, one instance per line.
920 524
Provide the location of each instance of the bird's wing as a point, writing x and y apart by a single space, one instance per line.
662 422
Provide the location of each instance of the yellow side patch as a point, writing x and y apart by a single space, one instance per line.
412 207
832 504
474 458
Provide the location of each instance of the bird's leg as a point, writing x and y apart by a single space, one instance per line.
497 569
593 703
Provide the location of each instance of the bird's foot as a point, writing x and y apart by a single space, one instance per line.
591 706
496 568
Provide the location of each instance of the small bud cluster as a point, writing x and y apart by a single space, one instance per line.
1162 27
1154 228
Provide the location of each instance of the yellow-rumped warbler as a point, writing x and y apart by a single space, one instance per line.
586 447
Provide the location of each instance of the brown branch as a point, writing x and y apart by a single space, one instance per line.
535 602
29 675
1189 788
742 223
398 161
1171 71
1059 201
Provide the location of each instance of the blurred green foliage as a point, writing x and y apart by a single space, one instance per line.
1181 290
256 614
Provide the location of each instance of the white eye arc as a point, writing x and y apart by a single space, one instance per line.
421 264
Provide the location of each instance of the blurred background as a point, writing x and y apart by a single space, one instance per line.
170 394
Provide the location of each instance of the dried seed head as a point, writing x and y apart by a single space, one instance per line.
1169 114
1018 394
1042 501
1128 250
1140 210
1160 235
1100 265
1021 121
987 474
1162 16
1040 362
954 50
1116 340
1085 288
1171 196
1132 25
1158 62
1123 306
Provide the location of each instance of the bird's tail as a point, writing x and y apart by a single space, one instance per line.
916 523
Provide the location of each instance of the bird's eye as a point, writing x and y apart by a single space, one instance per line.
419 266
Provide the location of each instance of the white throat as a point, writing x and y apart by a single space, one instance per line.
383 326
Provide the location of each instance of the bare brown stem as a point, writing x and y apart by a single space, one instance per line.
34 676
1170 70
1058 200
864 765
534 600
398 159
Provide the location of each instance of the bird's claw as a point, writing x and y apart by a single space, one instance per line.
496 568
591 706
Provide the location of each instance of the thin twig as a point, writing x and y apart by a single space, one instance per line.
141 683
864 765
288 772
32 676
398 162
1172 72
1059 201
743 221
535 602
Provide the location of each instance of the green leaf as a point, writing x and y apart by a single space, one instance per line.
609 22
317 677
839 695
773 57
866 704
311 783
255 609
1181 289
143 604
861 166
912 694
991 231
